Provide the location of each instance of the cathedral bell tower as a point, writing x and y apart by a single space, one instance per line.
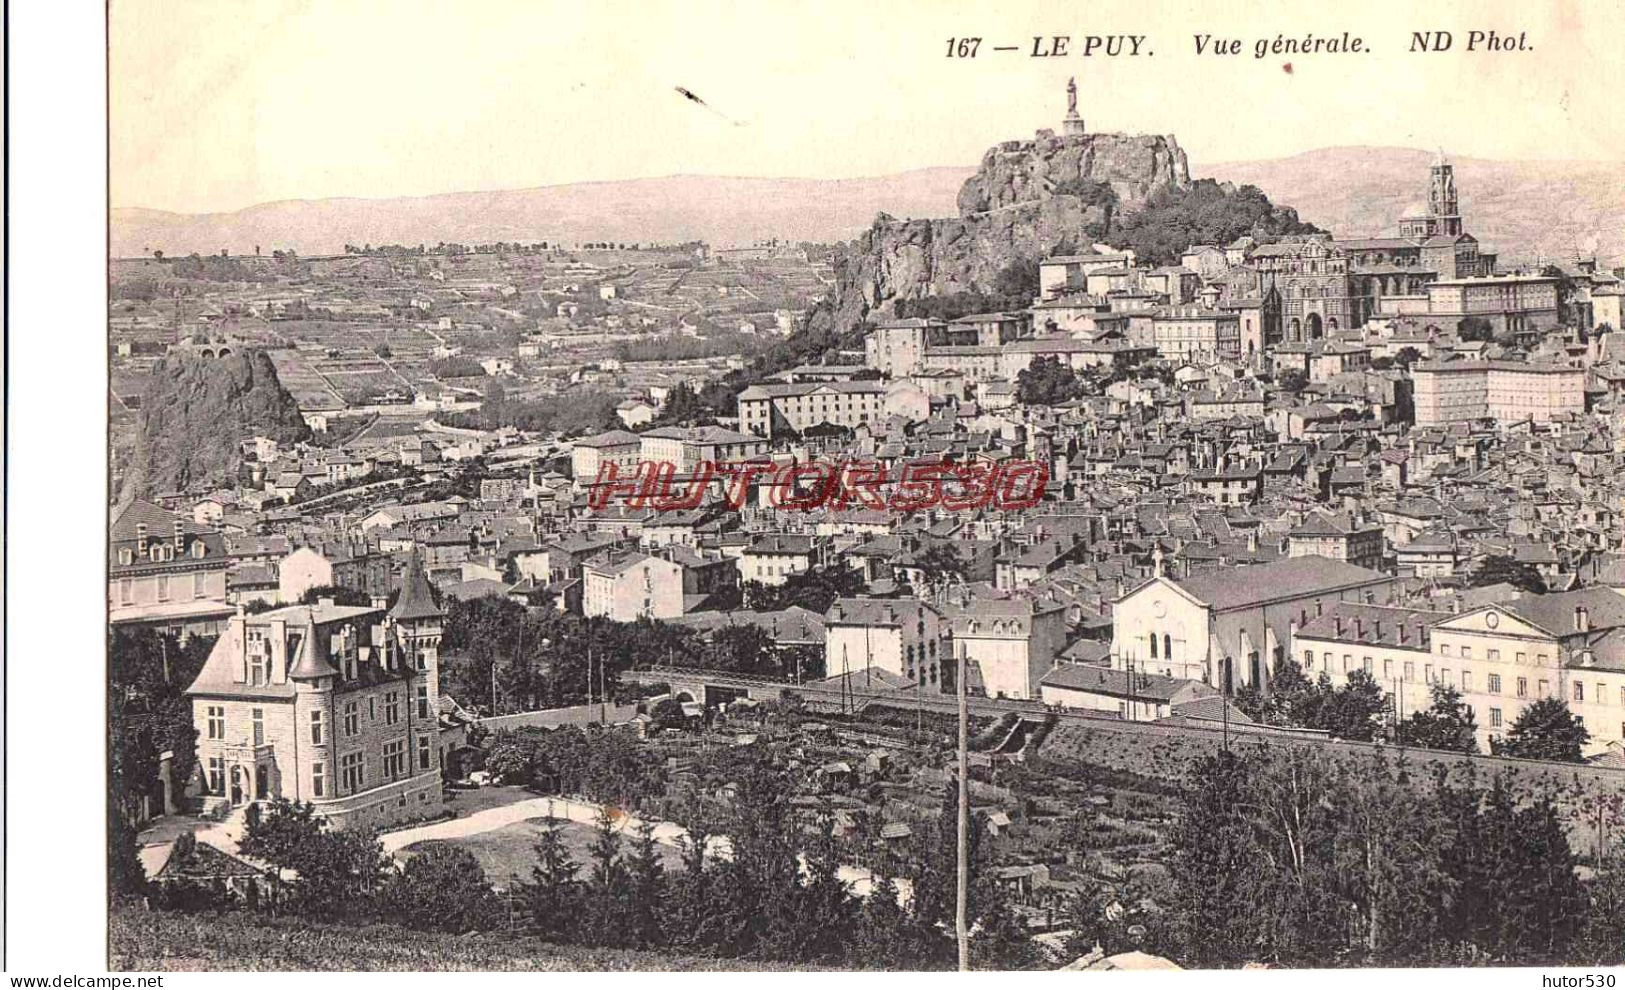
1442 198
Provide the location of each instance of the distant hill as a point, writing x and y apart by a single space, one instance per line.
1518 208
721 210
1522 209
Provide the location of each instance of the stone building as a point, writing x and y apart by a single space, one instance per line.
334 705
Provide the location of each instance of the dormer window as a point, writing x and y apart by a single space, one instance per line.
197 549
126 556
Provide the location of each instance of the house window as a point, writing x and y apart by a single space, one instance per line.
318 780
259 665
1366 663
1495 683
1309 659
392 708
1521 658
352 718
1545 689
372 708
352 771
425 755
1153 646
259 726
1466 681
1523 687
1495 718
216 722
1427 673
423 702
126 590
1579 691
1348 660
199 585
217 775
316 728
163 587
1444 649
394 759
1495 656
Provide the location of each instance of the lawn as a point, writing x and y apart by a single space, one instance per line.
510 852
141 940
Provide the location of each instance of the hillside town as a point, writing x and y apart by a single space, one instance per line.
416 537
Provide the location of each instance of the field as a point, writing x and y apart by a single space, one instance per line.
141 940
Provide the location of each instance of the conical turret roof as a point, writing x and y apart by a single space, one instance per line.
417 598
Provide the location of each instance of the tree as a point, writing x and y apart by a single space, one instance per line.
1502 569
646 889
1474 328
608 897
1351 711
1046 382
554 893
1545 730
1407 356
441 889
1448 724
1292 380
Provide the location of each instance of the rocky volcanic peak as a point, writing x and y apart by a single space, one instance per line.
1010 210
1026 171
195 413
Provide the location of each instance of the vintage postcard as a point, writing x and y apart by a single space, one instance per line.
914 486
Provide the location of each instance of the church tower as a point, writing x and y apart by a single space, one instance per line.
1442 199
1072 124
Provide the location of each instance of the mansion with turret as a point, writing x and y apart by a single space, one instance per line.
333 705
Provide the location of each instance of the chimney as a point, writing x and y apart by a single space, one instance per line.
1401 628
1317 608
1587 658
141 537
325 603
380 603
1582 619
180 536
1337 625
1378 624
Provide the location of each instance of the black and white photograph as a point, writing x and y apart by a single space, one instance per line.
800 488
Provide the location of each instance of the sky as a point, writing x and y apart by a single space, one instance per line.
223 104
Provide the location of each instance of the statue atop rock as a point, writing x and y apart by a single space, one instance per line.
1072 125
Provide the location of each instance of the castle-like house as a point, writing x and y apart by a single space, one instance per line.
330 704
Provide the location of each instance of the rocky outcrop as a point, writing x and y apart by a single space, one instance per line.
195 413
1028 199
1015 172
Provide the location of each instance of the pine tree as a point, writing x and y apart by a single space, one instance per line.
646 890
608 899
554 895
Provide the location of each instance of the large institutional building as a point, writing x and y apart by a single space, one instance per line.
334 705
1501 657
1505 391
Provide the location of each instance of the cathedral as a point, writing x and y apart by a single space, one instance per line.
1328 285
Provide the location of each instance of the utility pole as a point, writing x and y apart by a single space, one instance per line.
962 894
